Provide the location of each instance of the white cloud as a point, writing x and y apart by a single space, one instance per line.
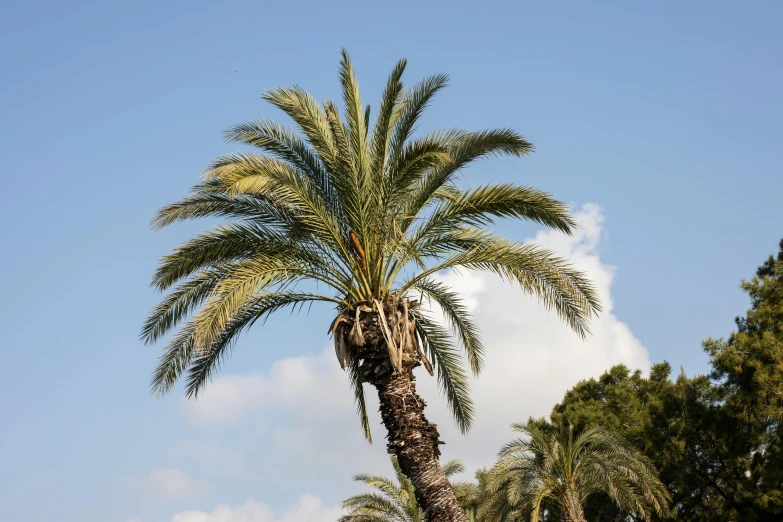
308 508
291 382
164 484
532 358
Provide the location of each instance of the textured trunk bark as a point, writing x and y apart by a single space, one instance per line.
384 340
414 440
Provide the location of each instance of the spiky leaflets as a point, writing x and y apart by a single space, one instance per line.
389 501
565 469
366 210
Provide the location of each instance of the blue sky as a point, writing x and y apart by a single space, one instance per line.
662 117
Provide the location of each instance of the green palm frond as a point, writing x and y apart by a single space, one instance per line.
358 393
356 124
367 209
182 353
458 317
385 122
469 147
538 272
273 138
453 467
412 107
178 304
205 201
300 106
225 243
389 501
452 379
478 207
567 469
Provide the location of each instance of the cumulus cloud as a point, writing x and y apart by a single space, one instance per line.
165 484
532 358
291 382
308 508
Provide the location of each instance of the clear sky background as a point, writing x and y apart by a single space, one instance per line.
660 122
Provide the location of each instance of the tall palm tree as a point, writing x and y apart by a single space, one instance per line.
391 502
363 217
564 469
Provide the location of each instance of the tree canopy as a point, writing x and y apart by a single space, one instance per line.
716 439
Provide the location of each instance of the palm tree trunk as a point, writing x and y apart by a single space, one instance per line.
414 440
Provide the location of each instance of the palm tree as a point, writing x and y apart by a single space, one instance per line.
362 217
473 495
392 502
564 470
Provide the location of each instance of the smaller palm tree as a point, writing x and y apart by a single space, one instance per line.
471 496
562 469
390 502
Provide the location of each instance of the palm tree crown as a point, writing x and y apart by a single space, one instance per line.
355 214
566 469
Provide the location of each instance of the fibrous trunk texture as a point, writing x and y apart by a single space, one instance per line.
383 338
414 440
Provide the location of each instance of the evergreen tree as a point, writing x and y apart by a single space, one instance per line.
716 440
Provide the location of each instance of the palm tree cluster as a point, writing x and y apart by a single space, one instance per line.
362 215
540 476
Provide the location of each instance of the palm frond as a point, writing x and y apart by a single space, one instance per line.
205 201
384 124
389 501
459 318
300 106
203 367
282 143
468 148
358 392
413 105
223 244
357 129
367 210
451 377
538 272
183 300
453 467
568 469
479 206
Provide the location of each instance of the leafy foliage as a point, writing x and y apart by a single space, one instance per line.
350 212
562 469
390 501
748 370
716 439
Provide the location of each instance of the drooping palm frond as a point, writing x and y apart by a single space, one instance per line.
566 469
458 317
368 210
452 379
